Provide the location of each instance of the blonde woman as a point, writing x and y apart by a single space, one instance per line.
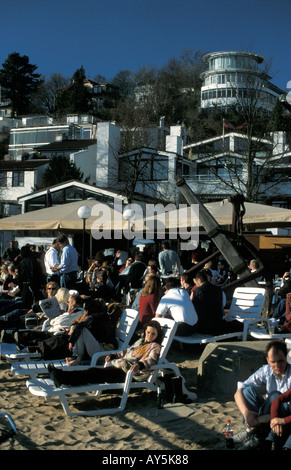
62 297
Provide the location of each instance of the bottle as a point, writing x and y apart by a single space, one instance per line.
229 435
159 398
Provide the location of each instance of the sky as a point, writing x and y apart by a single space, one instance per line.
108 36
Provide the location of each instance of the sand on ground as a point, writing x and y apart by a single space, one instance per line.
141 426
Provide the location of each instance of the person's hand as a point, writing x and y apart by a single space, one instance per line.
276 425
134 368
70 346
107 359
251 419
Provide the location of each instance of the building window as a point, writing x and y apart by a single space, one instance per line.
3 178
18 178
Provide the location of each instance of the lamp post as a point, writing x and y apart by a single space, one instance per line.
84 212
128 214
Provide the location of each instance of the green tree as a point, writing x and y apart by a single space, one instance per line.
19 82
61 169
76 98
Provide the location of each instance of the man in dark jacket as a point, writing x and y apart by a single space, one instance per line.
207 301
30 277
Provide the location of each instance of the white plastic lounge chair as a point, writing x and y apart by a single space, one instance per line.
246 306
262 329
11 353
124 332
46 388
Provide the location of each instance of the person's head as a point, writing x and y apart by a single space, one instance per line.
128 261
165 245
102 276
4 269
152 267
138 257
152 286
26 251
74 301
62 240
153 332
220 264
11 269
172 283
195 257
62 295
200 278
254 264
208 265
55 243
185 279
51 289
276 352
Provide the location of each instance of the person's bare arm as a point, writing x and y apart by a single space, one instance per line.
251 417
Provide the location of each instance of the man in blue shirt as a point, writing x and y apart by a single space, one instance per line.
275 377
68 267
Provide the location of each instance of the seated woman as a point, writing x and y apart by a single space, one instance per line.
62 297
219 277
139 358
16 318
149 300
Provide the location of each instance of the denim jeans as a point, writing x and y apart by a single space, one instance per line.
257 402
263 406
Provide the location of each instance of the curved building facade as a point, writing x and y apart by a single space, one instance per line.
234 78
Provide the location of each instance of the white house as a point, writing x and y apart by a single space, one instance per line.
235 77
221 167
16 179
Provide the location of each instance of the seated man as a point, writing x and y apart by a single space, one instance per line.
59 324
176 304
186 282
254 266
208 303
275 377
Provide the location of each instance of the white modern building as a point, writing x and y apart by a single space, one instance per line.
222 165
235 78
33 131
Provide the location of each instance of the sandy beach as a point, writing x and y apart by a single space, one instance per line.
142 426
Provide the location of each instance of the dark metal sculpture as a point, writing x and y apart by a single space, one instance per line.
219 237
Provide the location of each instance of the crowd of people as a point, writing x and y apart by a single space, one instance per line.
157 285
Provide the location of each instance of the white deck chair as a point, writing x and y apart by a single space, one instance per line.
12 353
262 329
124 332
246 306
45 387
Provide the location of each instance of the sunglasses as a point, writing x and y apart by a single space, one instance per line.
51 288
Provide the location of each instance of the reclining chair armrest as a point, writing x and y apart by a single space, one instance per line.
253 322
100 354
